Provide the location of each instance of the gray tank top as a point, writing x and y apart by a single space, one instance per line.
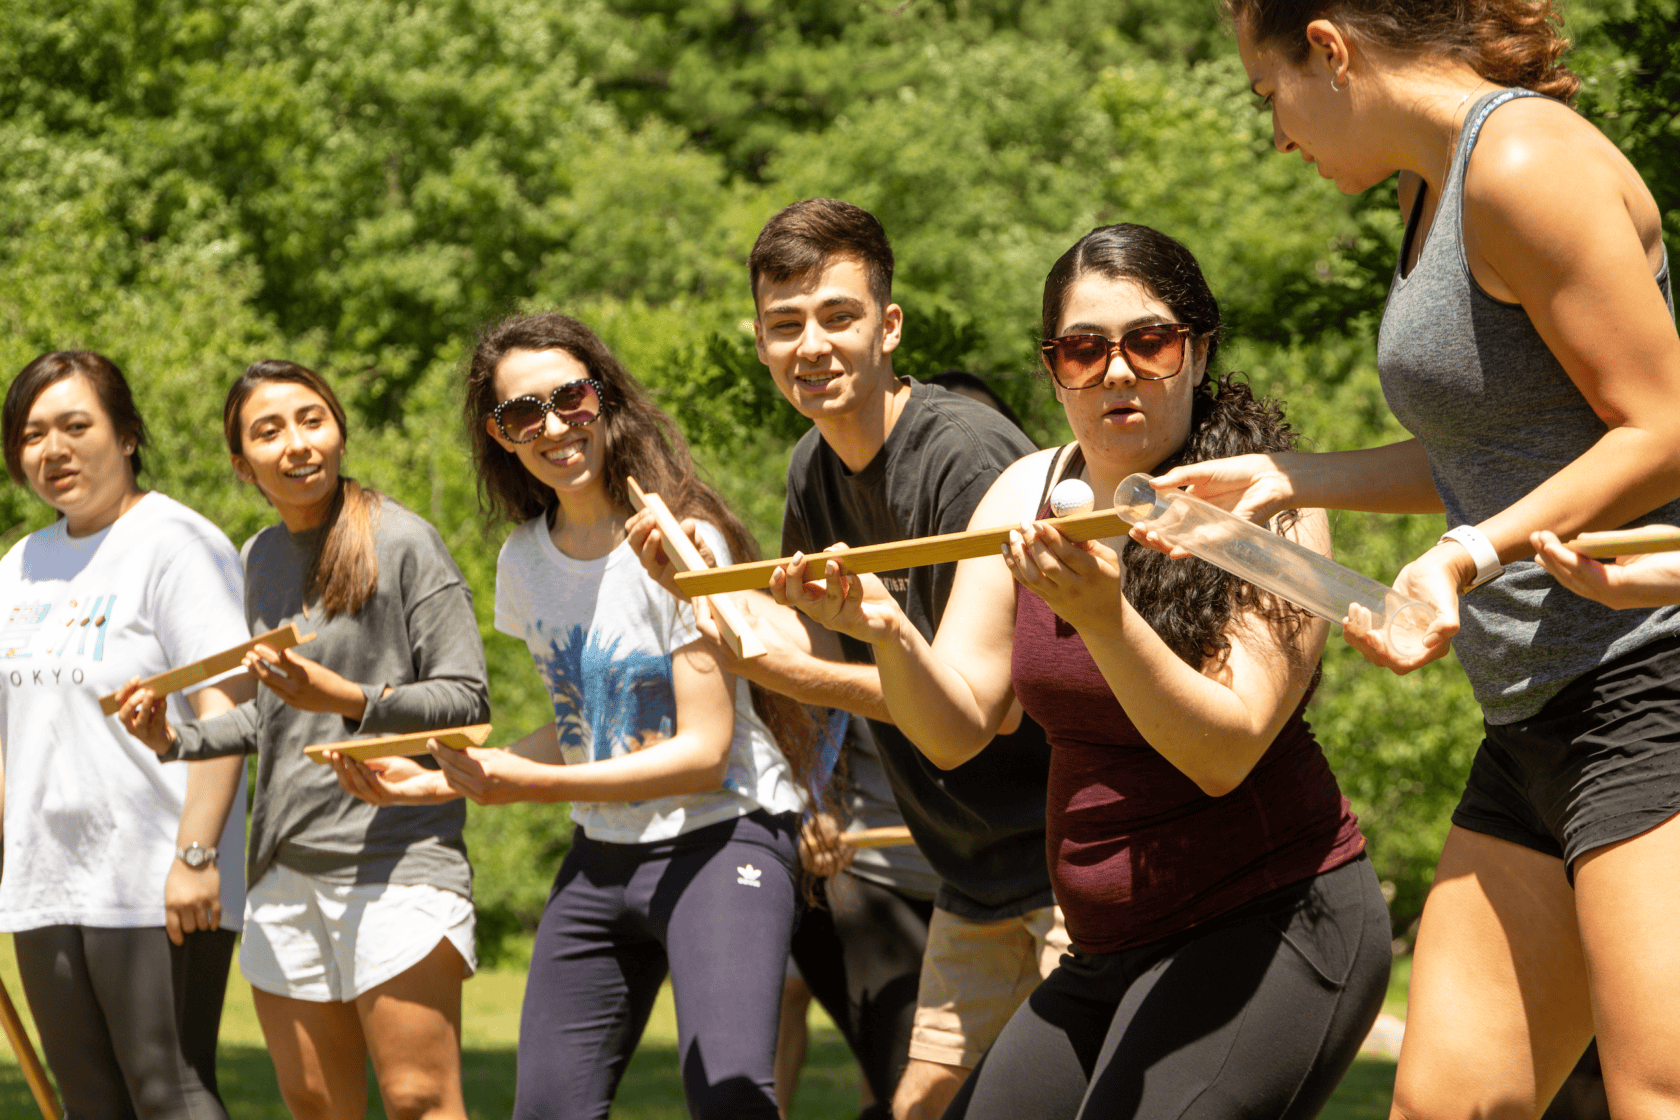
1470 377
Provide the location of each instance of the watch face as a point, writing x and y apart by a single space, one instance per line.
196 857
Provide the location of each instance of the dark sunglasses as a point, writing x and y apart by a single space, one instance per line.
1080 361
577 403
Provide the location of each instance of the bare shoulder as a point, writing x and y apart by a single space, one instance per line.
1540 170
1015 493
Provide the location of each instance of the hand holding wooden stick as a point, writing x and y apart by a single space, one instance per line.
217 663
732 624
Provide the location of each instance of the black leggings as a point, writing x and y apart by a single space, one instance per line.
128 1021
861 956
1258 1013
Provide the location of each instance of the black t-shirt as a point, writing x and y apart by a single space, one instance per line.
980 825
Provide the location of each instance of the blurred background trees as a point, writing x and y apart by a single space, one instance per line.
188 185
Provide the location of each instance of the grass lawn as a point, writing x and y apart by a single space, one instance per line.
652 1089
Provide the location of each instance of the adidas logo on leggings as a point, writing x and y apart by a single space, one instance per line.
747 876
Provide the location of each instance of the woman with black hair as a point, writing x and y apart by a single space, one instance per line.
122 882
1230 942
683 780
359 923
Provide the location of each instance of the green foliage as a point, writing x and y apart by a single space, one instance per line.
1630 55
359 185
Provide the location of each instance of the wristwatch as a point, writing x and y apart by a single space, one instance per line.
1481 550
196 855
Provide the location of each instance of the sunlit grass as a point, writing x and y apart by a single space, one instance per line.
652 1088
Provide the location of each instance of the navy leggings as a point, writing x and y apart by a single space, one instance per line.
1257 1013
128 1021
716 907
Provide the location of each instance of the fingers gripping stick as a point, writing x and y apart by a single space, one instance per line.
188 675
400 746
733 625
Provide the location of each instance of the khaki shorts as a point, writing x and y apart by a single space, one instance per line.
974 976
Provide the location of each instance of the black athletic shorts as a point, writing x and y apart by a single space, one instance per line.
1599 763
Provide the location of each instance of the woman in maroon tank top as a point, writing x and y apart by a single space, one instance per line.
1231 945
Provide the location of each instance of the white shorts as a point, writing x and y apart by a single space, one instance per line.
329 943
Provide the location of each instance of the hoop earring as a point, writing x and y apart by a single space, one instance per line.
1343 88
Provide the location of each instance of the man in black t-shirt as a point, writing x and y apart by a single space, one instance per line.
889 459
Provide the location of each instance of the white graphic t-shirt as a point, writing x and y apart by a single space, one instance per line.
602 634
91 814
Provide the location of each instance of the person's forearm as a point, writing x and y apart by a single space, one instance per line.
932 704
425 705
850 686
675 766
211 788
1394 478
1628 473
1210 731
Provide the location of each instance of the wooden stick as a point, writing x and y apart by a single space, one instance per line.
388 746
893 836
900 554
33 1072
732 624
1626 542
188 675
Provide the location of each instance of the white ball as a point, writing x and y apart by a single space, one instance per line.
1070 496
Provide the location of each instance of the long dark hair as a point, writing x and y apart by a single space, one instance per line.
344 572
1508 42
109 386
1189 603
639 441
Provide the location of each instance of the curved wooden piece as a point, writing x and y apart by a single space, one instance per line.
388 746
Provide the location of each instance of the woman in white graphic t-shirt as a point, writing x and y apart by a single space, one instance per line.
123 882
685 803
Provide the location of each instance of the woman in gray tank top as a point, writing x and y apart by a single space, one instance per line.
1527 348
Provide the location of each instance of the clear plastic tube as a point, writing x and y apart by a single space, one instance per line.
1273 563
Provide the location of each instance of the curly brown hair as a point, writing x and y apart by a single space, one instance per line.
1508 42
1189 603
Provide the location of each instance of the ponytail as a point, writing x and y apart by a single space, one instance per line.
344 572
1515 43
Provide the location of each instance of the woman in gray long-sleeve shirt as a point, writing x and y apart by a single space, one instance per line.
359 923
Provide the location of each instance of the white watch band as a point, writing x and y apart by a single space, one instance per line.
1481 550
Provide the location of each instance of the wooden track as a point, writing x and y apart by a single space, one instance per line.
899 554
891 837
732 624
388 746
216 664
1626 542
40 1087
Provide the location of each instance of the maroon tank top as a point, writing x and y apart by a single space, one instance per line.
1136 850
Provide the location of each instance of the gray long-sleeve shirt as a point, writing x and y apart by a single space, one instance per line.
417 636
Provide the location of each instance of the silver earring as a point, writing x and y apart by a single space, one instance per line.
1343 88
